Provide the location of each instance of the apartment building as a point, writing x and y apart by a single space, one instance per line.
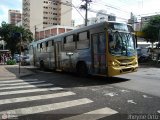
14 16
52 31
39 14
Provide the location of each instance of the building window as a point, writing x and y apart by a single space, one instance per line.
54 13
54 18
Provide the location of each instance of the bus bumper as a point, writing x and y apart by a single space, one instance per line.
113 71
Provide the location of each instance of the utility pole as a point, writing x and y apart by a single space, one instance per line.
35 28
85 7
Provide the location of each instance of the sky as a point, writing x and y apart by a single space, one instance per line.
121 8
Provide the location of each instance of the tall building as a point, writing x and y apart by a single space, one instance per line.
39 14
103 16
14 16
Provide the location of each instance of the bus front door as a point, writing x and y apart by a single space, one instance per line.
99 54
57 51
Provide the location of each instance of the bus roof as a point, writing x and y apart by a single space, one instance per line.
78 30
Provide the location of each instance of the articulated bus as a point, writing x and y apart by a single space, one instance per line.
105 49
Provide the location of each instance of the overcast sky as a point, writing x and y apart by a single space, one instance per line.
121 8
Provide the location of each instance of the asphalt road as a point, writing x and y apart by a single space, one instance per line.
55 96
146 80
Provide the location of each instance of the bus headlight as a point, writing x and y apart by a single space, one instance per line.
114 63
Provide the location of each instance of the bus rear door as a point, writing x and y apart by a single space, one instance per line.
57 51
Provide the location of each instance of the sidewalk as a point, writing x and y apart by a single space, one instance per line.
13 71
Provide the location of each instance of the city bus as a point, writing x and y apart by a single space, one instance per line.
103 49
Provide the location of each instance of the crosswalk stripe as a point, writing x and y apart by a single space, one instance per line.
27 86
30 91
17 80
23 83
6 78
93 115
14 81
32 98
46 108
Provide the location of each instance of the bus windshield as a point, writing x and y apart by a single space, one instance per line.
121 44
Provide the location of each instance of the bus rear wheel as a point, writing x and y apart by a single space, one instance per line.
41 65
82 70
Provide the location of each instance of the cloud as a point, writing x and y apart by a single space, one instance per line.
3 13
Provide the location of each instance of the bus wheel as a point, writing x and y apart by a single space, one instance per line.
82 70
41 65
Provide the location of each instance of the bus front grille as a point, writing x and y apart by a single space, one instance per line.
127 70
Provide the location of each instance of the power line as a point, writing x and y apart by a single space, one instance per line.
94 11
111 6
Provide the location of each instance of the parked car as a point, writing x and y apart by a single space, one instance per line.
25 60
143 55
16 57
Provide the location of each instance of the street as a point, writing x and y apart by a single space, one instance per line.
54 95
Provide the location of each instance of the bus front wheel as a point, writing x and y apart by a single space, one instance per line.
82 70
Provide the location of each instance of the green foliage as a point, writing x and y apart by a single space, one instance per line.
11 62
6 34
151 29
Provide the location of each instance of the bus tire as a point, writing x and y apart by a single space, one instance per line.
82 70
41 65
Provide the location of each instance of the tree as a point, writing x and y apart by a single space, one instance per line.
7 34
151 29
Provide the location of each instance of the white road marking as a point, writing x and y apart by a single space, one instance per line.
111 94
27 86
23 83
131 101
32 98
158 111
93 115
145 96
124 91
45 108
14 81
30 91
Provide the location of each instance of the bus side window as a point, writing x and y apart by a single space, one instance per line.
46 43
38 47
64 40
31 49
50 43
74 37
88 34
69 42
83 41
